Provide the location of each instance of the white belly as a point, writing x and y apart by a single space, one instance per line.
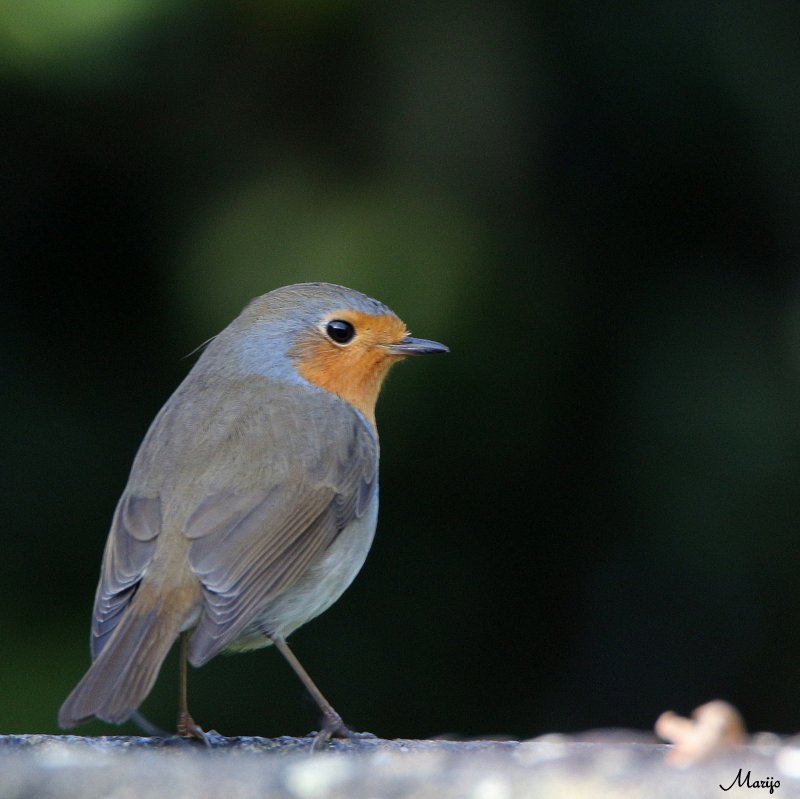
325 580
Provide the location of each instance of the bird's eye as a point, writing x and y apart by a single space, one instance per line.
340 331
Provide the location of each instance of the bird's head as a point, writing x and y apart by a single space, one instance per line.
333 337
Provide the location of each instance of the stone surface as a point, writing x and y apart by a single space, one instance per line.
611 763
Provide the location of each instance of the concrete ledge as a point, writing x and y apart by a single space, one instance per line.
610 763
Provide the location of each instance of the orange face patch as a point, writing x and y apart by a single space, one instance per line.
353 371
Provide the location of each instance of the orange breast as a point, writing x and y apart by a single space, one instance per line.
355 371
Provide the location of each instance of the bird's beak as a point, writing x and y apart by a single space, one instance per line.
416 346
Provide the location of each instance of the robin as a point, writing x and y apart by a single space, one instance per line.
252 501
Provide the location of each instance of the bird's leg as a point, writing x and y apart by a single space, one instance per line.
333 724
187 727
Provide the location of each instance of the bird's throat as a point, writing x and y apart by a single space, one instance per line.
359 385
355 372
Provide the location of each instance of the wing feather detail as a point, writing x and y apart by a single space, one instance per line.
248 547
259 479
129 550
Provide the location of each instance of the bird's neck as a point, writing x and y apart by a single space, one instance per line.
358 382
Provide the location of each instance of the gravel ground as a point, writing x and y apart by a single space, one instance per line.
603 764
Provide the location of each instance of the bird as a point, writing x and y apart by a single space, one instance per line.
252 501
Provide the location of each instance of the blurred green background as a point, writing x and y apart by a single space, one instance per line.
590 509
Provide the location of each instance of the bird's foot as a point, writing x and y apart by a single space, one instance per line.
188 728
334 727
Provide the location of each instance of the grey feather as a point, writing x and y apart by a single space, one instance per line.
130 548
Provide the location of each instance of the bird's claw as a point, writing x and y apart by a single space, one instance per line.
336 728
190 729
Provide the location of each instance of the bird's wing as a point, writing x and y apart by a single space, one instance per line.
312 469
258 478
129 550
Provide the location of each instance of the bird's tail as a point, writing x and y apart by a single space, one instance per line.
123 673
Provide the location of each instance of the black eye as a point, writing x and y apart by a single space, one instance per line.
340 331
